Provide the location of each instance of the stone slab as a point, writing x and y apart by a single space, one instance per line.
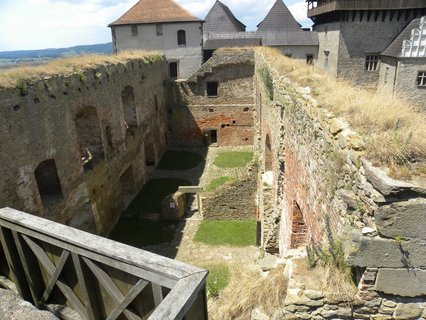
388 186
402 282
386 253
406 219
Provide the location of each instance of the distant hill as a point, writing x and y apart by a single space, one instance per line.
104 48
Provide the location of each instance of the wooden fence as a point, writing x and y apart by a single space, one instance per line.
78 275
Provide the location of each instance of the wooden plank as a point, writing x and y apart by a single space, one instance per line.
92 245
190 189
110 287
50 268
130 296
157 292
63 259
179 300
89 295
14 263
33 276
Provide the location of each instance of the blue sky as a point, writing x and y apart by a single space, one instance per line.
39 24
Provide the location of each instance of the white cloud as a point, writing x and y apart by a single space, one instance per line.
37 24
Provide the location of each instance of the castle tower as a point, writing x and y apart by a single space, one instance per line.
161 25
353 34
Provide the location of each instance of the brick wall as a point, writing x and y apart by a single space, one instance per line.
193 113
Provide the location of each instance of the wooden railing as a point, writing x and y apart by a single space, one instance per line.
78 275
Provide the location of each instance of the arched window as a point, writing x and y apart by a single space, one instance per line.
129 107
268 154
181 35
89 135
299 232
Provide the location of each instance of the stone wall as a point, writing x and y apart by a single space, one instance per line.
234 201
67 140
199 117
360 33
406 80
317 170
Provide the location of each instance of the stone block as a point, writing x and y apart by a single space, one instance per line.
402 282
386 253
388 186
409 311
406 219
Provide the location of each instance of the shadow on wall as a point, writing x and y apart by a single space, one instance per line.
149 222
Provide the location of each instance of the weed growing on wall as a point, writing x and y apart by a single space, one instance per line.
22 87
266 77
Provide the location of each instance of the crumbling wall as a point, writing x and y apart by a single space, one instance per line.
195 111
78 122
318 169
234 201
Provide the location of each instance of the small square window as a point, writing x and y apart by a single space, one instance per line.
134 31
212 89
421 79
371 63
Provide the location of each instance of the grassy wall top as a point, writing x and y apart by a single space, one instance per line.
394 130
10 78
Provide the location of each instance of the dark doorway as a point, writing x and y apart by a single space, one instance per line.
173 70
207 54
49 186
213 136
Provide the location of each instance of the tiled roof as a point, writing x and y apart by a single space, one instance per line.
278 19
155 11
220 19
395 48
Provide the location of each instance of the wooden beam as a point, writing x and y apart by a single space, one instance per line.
50 268
157 292
179 300
89 296
190 189
55 276
109 285
14 263
130 296
33 276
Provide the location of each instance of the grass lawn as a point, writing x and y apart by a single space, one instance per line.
233 159
137 232
216 183
152 194
217 279
233 233
179 160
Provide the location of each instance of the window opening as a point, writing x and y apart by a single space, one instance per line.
181 37
212 88
49 186
371 63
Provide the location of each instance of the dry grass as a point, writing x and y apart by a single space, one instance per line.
11 78
248 290
395 131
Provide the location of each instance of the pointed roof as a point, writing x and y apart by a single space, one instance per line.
220 19
279 19
155 11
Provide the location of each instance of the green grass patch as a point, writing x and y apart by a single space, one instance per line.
152 194
138 233
230 232
233 159
217 279
216 183
179 160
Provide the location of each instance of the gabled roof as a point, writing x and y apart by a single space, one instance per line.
395 48
220 19
155 11
279 19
